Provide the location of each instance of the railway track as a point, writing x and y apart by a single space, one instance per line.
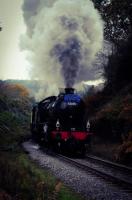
109 178
83 164
110 164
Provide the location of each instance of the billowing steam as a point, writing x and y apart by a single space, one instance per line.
69 56
63 37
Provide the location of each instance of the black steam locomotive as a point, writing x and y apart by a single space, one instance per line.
60 122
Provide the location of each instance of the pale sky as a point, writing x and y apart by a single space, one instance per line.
13 64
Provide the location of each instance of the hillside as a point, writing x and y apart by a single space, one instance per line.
33 86
20 178
111 122
110 110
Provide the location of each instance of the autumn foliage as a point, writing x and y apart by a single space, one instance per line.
13 90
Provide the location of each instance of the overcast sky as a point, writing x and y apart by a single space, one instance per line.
13 64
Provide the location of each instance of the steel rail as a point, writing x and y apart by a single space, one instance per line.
110 164
127 186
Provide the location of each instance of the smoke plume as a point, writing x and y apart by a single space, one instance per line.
63 37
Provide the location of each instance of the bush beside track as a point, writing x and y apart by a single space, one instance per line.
111 123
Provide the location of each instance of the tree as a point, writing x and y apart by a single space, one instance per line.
118 71
117 16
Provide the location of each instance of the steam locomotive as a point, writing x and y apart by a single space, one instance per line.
60 122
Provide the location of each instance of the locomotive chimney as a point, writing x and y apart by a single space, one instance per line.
69 90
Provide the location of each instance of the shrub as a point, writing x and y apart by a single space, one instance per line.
124 151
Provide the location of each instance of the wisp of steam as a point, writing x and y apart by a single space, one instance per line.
63 37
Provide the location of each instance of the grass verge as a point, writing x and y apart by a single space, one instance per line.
23 179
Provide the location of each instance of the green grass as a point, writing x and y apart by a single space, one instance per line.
22 178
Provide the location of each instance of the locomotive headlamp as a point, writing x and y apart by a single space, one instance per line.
73 129
88 126
58 124
45 128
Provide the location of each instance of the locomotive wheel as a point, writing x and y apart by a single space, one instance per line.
83 150
56 146
72 147
35 136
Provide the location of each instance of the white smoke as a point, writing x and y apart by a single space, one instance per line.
63 37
